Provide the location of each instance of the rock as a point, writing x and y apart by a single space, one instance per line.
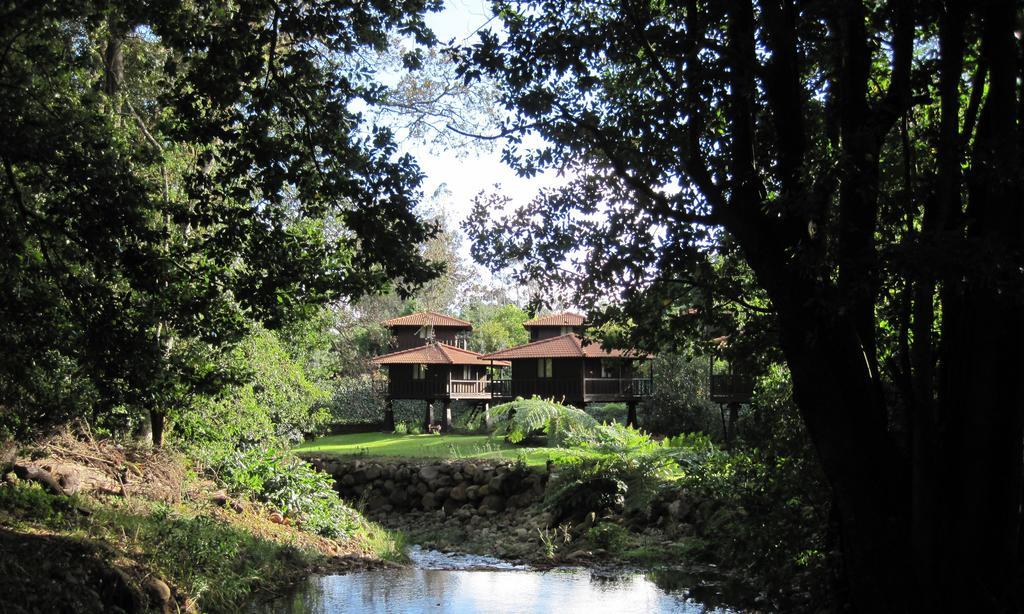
473 493
493 503
484 490
450 507
372 473
458 493
399 497
577 555
276 518
441 493
521 532
429 473
402 474
158 592
496 484
117 589
428 502
347 480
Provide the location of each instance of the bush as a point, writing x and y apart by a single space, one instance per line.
608 535
607 413
289 485
523 418
401 429
355 401
276 402
603 464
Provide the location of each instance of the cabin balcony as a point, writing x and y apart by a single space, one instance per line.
574 390
454 389
731 388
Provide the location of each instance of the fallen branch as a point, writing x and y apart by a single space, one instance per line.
41 476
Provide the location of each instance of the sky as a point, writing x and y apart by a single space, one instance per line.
467 173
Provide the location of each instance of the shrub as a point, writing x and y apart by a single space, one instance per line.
355 401
608 535
291 486
401 429
606 413
524 418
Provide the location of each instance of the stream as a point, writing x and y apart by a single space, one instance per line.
464 583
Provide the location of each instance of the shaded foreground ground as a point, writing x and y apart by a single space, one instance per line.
142 533
426 446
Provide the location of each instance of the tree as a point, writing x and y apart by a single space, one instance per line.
496 327
172 173
785 133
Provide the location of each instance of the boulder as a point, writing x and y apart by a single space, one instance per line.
159 594
473 492
372 473
458 493
450 506
428 502
399 497
429 473
493 503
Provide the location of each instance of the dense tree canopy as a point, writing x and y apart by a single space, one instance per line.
853 169
173 172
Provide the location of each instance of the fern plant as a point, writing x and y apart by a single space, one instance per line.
522 418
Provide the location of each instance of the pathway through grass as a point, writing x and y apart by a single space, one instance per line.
425 446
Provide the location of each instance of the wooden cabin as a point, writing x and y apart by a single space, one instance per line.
554 325
437 371
558 365
418 329
431 364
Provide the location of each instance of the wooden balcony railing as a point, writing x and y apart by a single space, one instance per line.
470 387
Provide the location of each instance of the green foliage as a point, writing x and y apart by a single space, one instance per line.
355 401
680 401
608 535
608 412
289 485
401 428
30 500
522 418
496 327
604 464
581 488
159 198
276 402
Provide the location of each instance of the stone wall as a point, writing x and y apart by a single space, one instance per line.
480 486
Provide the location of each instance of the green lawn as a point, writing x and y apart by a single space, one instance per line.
425 446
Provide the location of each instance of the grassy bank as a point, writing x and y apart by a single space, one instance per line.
426 446
108 549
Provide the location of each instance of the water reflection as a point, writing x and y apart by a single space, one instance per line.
459 591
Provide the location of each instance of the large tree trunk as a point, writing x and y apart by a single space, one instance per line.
156 419
833 388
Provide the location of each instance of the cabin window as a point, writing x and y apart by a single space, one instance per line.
607 369
419 371
544 369
467 372
566 330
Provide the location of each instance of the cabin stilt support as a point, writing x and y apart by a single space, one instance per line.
631 414
428 417
487 416
389 416
446 415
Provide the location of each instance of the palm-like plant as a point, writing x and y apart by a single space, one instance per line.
520 418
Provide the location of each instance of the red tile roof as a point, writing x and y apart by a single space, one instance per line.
427 318
435 354
565 318
563 346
